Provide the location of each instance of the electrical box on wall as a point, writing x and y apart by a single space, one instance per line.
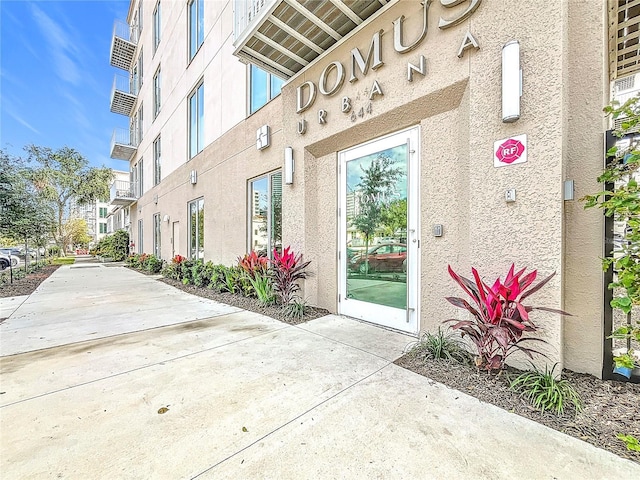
510 195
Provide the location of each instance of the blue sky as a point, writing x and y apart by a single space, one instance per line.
55 77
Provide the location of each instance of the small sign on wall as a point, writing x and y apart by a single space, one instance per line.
510 151
263 137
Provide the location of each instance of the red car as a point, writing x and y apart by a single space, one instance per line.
389 257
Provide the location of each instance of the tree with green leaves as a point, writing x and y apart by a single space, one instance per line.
74 232
621 200
376 184
25 217
393 216
63 175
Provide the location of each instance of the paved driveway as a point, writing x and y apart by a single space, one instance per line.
92 357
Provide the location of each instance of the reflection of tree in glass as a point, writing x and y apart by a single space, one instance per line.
201 230
394 216
376 183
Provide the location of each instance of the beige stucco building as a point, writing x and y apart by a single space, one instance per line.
426 93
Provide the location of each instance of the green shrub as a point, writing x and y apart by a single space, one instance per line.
114 246
630 442
153 264
545 392
296 308
442 344
262 286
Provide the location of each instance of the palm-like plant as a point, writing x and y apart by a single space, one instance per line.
499 317
287 269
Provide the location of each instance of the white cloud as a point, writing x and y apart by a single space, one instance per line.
22 121
62 48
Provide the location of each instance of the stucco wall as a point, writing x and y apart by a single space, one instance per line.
587 93
457 106
223 170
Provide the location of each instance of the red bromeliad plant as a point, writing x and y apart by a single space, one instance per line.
253 264
178 259
287 269
500 318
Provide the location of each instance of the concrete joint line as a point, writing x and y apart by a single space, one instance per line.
343 343
117 334
291 421
16 309
142 367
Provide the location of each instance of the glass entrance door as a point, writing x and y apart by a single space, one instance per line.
378 231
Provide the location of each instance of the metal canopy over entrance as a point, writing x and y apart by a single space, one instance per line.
284 36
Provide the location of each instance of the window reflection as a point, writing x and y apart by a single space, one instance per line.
265 214
376 216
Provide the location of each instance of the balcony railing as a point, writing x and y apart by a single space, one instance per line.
123 144
284 36
123 95
122 192
245 12
123 44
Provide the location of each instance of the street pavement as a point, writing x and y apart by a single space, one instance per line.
108 373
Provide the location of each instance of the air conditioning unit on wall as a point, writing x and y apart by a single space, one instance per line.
622 89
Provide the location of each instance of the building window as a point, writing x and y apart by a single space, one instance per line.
103 227
137 179
264 87
156 235
135 80
139 71
140 237
196 121
156 27
157 151
265 214
156 94
196 229
196 26
103 212
140 123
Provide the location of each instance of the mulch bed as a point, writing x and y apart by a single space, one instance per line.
247 303
26 285
610 407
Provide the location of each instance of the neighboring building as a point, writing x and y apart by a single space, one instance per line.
96 214
474 153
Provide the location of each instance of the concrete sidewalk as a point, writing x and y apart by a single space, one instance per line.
91 357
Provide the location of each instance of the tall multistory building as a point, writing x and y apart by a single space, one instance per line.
459 133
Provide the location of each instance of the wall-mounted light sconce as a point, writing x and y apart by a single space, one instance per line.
511 82
166 218
194 177
155 199
289 165
263 137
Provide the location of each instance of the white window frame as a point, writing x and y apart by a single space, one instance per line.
270 95
157 93
140 125
198 254
196 129
157 159
157 226
251 231
199 27
140 236
157 26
